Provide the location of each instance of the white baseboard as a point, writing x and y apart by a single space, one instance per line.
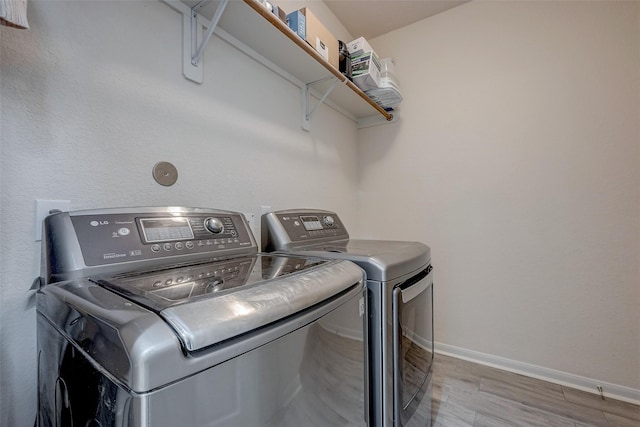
613 391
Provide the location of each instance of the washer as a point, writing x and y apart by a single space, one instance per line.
400 305
165 317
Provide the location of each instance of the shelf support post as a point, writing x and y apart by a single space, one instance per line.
306 100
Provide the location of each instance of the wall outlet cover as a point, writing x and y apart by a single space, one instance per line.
251 219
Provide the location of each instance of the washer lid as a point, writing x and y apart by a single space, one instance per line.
382 260
211 302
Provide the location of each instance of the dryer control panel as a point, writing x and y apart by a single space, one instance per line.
290 228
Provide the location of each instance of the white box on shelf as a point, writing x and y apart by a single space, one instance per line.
359 46
365 70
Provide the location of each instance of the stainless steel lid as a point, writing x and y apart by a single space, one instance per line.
382 260
208 303
214 320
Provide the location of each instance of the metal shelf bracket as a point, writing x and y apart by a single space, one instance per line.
306 100
192 31
197 56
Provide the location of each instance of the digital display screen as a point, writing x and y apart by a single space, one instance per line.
311 223
164 229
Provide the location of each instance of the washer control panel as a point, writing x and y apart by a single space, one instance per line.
107 238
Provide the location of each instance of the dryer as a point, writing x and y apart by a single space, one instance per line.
399 280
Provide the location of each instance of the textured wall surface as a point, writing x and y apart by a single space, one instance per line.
93 96
517 158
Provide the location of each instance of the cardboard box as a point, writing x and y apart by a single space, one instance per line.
359 46
365 70
281 14
309 27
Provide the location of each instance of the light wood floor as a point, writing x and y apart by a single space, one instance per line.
467 394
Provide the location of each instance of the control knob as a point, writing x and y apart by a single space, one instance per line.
213 225
328 220
217 284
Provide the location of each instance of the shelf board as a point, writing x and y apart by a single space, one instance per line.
252 24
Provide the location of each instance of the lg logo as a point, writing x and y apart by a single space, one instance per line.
97 223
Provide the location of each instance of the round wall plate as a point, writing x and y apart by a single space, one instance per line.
165 173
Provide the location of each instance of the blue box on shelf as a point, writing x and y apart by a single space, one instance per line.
297 22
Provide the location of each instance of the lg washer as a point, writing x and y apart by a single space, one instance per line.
165 317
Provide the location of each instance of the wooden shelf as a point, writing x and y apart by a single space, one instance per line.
253 25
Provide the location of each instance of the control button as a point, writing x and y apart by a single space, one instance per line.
189 245
234 233
179 246
214 225
157 284
169 281
124 231
155 248
167 246
328 220
180 279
